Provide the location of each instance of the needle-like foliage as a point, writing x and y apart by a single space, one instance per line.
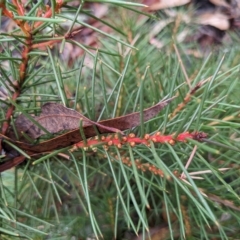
175 176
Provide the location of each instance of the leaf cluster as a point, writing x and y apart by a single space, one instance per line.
108 193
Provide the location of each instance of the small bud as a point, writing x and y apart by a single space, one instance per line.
147 136
124 139
131 135
132 144
110 143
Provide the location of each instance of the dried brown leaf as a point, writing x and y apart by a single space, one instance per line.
122 123
54 118
74 136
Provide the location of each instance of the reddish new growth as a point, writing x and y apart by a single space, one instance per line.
119 141
116 140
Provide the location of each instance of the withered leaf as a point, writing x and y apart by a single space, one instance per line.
74 136
122 123
54 118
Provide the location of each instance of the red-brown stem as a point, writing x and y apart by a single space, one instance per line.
22 75
22 24
9 113
49 12
45 44
50 43
5 12
26 29
24 63
115 140
20 8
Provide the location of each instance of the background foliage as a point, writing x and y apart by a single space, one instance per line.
105 66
